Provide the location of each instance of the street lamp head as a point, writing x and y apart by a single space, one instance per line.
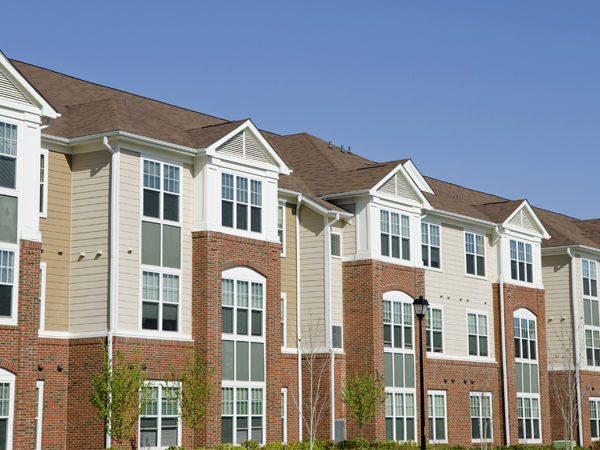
420 304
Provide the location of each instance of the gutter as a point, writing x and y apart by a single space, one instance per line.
114 250
328 321
298 336
576 346
314 205
503 334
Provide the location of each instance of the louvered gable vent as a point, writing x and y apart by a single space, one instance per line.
243 145
397 187
523 220
9 90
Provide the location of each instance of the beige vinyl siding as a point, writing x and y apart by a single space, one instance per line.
129 238
90 223
457 293
312 271
56 235
186 254
288 275
556 272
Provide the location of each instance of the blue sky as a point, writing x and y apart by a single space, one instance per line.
502 97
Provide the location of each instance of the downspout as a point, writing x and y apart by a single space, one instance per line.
42 127
576 346
298 337
328 321
503 334
114 250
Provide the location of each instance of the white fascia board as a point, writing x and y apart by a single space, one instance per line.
417 177
315 206
411 183
46 109
537 222
562 249
461 218
281 165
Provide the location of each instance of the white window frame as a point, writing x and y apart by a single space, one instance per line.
44 183
596 401
39 414
391 412
160 385
431 408
476 255
440 308
235 415
9 378
13 319
481 395
14 192
518 261
161 273
248 203
400 235
477 315
591 305
341 347
284 415
282 239
42 298
429 245
283 320
339 235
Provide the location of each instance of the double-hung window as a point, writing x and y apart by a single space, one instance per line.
243 356
161 246
433 325
7 395
436 401
430 245
591 317
39 410
595 417
8 155
477 330
159 423
241 204
528 387
7 282
43 183
521 261
475 254
481 416
395 235
399 363
281 227
336 244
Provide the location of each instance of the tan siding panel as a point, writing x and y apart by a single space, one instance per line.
288 275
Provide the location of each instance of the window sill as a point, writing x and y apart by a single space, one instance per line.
9 321
433 269
476 277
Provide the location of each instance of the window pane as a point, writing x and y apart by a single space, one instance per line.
171 246
227 354
171 179
227 186
435 257
8 218
389 369
385 244
258 362
169 322
255 219
242 216
470 264
384 222
395 223
151 203
405 249
226 430
227 213
242 321
398 370
5 300
151 243
150 286
149 316
256 193
241 361
8 168
395 247
256 323
409 370
227 292
151 175
171 207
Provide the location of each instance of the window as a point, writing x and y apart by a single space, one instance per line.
395 235
399 416
283 330
430 245
591 318
336 244
595 417
7 395
43 183
42 295
433 325
241 414
159 424
281 227
437 416
477 331
8 155
7 281
481 416
590 287
528 387
8 219
240 211
475 254
397 326
339 430
336 336
521 266
160 301
284 415
39 408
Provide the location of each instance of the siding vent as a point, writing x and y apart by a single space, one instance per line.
243 145
523 220
9 90
397 187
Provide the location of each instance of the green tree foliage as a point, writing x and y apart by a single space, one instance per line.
120 393
363 395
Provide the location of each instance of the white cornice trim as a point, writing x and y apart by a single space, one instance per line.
463 218
574 246
316 206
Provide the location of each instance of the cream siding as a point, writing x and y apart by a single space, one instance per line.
90 223
457 293
56 235
288 275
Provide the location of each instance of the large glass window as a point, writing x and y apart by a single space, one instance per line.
430 245
481 416
437 416
8 155
433 325
400 416
395 235
7 281
521 261
160 301
242 416
590 312
7 386
475 254
241 203
281 227
8 219
477 329
595 417
159 423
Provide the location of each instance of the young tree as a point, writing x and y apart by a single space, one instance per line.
120 393
363 394
193 391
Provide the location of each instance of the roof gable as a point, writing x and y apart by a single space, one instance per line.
416 176
525 219
399 184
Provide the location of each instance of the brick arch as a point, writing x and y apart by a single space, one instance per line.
11 366
244 263
396 287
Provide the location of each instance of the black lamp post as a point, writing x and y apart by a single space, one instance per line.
420 305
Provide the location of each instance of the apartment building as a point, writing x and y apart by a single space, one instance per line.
158 229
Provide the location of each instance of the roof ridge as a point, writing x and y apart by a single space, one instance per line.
468 189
